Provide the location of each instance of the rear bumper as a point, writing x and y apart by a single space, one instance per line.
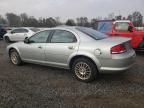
115 70
119 63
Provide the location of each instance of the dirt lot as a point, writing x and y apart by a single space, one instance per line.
34 86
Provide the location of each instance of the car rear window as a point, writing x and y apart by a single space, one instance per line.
105 26
92 33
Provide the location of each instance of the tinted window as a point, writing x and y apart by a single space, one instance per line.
35 29
62 36
20 31
15 31
92 33
105 26
121 26
24 31
40 37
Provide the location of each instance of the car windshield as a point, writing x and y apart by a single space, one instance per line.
35 29
92 33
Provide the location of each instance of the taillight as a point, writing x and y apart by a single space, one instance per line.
118 49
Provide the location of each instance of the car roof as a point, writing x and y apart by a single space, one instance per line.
61 28
104 20
122 21
19 28
65 27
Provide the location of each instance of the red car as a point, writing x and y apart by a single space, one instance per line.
123 28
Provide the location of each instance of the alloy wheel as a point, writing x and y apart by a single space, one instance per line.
14 58
82 70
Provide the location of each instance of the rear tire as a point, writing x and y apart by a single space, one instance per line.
7 40
84 70
15 58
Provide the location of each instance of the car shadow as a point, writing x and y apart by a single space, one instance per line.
48 68
140 53
110 77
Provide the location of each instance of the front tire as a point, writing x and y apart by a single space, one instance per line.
15 58
84 70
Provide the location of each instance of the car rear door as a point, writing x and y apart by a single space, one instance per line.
61 45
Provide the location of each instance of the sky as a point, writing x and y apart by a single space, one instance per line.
67 9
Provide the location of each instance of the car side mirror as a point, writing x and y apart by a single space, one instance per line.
26 40
130 29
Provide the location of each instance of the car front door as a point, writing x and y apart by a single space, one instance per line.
34 50
62 44
18 34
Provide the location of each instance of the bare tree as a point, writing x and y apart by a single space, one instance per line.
70 22
2 20
137 18
13 19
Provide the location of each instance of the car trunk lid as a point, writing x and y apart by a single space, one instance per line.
105 45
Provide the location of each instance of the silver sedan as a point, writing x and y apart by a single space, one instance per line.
84 51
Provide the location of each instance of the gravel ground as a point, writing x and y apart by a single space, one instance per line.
35 86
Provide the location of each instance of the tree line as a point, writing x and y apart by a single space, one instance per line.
23 20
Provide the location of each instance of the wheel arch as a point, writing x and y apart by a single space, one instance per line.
13 48
6 36
91 58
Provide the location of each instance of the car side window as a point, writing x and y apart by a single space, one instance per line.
62 36
20 31
23 30
15 31
122 26
40 37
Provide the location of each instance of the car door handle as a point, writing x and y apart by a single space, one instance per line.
40 47
71 47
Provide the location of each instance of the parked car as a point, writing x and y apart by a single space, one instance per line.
122 28
84 51
19 34
2 32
